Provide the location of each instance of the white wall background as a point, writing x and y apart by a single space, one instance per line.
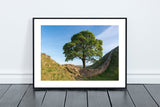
16 33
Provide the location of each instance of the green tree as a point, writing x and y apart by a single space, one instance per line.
84 46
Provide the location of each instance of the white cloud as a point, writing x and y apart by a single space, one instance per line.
110 38
109 47
109 32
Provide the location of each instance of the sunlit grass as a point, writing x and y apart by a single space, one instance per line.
111 73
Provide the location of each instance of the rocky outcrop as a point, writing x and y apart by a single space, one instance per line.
72 69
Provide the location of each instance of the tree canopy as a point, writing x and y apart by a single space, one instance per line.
84 46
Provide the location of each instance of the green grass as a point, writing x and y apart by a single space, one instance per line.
99 62
50 70
111 73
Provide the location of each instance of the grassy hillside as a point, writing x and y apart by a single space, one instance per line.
111 73
50 70
99 62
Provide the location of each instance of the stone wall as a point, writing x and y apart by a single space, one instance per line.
93 72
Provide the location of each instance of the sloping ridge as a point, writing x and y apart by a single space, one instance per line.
51 70
97 68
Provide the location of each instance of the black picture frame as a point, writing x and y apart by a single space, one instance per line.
33 33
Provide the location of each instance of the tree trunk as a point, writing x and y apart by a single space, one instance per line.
84 65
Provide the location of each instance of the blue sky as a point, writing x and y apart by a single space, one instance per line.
53 38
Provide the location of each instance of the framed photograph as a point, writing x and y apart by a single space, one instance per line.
79 52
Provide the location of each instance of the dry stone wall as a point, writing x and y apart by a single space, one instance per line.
93 72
